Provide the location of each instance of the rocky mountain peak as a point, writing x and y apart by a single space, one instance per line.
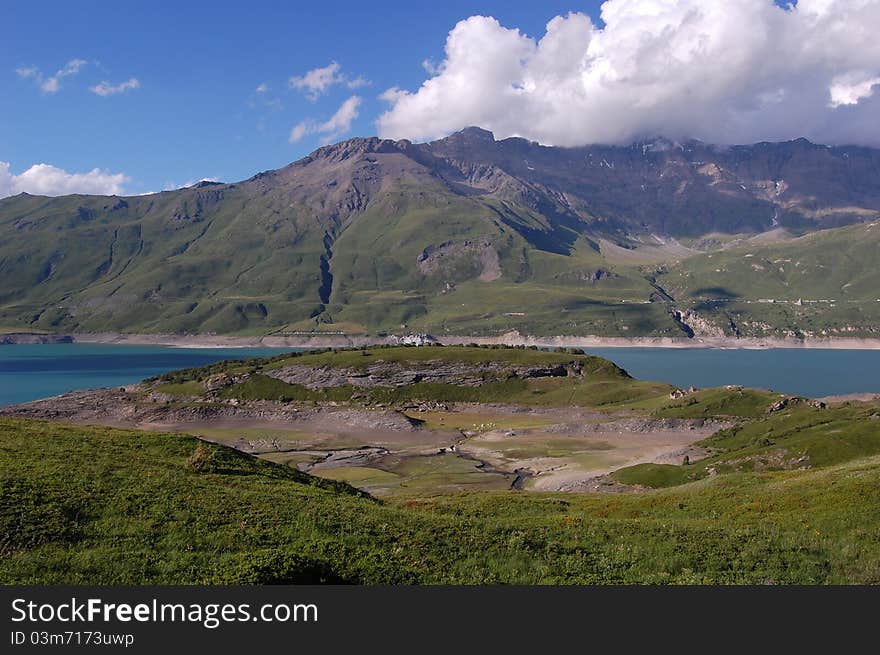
353 147
470 136
474 132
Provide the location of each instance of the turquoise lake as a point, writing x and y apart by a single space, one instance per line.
804 372
28 372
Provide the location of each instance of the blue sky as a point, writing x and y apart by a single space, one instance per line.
160 94
196 113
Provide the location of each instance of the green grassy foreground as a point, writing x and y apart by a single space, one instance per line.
798 437
105 506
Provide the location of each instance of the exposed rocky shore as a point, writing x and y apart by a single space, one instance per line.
338 340
34 338
138 405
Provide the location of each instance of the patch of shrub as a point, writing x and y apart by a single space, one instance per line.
202 460
273 566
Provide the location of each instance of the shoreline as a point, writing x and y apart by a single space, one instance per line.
510 339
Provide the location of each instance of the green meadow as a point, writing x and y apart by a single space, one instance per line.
103 506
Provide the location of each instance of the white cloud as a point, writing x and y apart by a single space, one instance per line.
172 186
319 81
851 88
341 121
262 99
712 69
48 180
331 129
28 71
301 130
392 95
357 83
52 84
106 89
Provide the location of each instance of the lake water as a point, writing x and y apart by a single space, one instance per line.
28 372
805 372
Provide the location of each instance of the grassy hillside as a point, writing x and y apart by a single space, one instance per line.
103 506
225 259
465 235
200 259
820 284
216 259
797 437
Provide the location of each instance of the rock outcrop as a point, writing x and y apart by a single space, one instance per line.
394 374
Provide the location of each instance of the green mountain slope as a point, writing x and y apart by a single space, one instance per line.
821 284
274 253
195 259
462 235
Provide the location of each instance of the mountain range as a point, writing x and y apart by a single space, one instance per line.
468 235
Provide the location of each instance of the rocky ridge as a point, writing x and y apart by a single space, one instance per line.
395 374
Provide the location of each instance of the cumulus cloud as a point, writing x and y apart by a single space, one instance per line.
850 89
721 71
319 81
53 83
105 88
393 94
331 129
48 180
